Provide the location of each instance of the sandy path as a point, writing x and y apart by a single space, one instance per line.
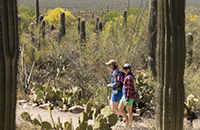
143 124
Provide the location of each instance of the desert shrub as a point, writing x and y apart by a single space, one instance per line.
27 16
192 83
53 16
192 72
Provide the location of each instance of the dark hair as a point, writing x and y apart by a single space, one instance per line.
115 65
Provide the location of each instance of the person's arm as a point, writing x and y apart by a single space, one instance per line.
115 84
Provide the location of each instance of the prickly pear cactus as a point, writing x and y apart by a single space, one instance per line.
83 117
79 94
26 117
112 119
94 115
69 119
46 125
107 111
96 125
88 107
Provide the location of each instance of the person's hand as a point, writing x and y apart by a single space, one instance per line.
126 103
108 85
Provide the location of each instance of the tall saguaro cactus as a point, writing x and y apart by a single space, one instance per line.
171 58
43 28
108 10
8 63
97 23
79 20
125 17
128 6
100 27
189 41
62 25
40 19
82 30
152 36
37 10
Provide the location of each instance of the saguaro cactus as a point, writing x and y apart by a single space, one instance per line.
128 6
37 10
82 30
43 28
97 23
125 17
100 26
62 25
19 24
108 8
40 19
152 36
79 19
19 20
171 58
189 41
8 63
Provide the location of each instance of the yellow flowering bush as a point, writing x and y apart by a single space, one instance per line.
193 18
53 16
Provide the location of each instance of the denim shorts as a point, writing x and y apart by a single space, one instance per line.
116 97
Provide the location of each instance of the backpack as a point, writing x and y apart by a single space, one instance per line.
120 78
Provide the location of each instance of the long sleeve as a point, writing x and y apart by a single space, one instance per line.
115 83
129 87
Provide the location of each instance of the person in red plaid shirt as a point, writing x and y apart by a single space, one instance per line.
129 94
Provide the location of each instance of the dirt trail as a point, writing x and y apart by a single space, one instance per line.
142 124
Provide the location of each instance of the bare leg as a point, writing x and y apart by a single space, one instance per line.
121 110
130 114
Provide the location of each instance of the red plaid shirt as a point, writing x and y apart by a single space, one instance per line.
129 86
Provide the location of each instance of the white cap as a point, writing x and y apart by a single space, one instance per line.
127 65
110 62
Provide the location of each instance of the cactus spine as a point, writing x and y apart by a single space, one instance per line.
8 63
82 30
79 19
171 59
152 36
37 10
189 41
62 25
